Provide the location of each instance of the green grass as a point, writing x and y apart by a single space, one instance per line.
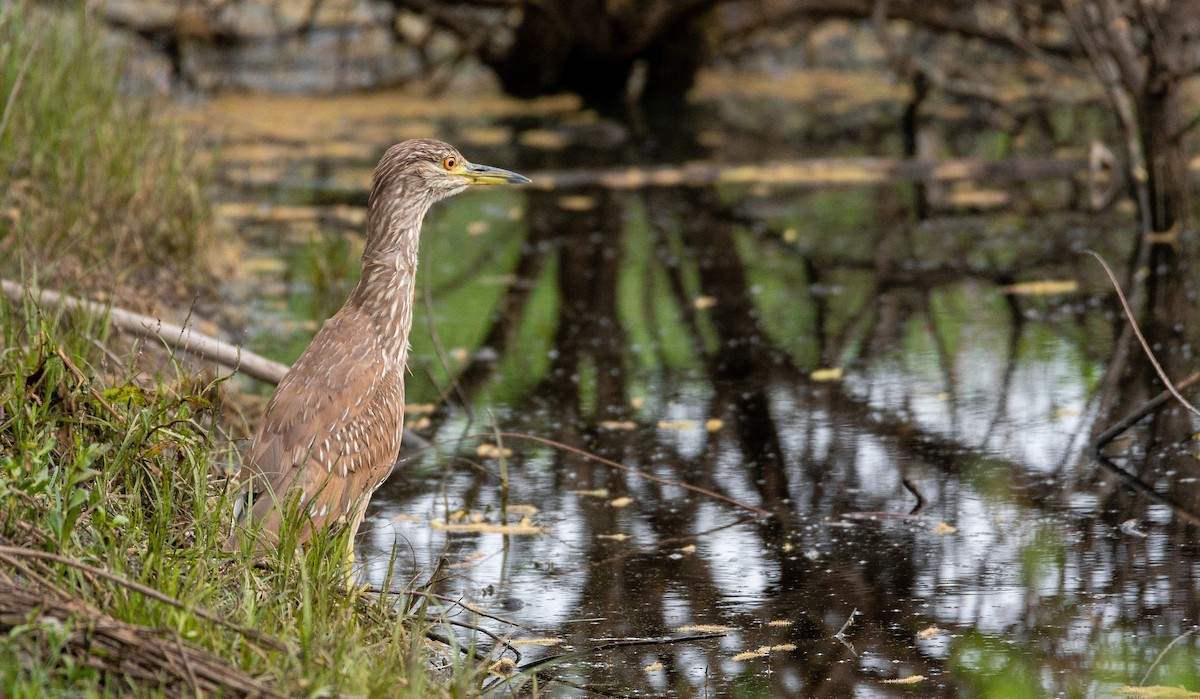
114 496
96 189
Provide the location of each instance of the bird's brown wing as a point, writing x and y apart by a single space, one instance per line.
331 432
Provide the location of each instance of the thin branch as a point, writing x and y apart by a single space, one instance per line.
1162 375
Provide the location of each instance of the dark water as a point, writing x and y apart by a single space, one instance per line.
873 427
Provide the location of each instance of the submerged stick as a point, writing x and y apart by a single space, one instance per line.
177 337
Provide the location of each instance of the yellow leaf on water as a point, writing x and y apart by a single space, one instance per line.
620 502
703 628
943 529
828 374
491 451
1158 692
576 202
547 641
676 424
1044 287
612 537
703 302
911 679
653 667
714 424
523 528
928 633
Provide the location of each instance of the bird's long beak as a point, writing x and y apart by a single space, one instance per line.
486 174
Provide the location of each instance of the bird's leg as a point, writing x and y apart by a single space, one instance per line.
359 512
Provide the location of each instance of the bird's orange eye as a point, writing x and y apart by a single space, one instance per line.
450 162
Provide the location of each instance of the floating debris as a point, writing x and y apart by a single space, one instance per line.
653 667
749 655
911 679
714 424
620 502
826 375
504 667
676 424
576 202
547 641
943 529
613 537
928 633
1158 692
1044 287
690 548
780 623
523 528
520 509
618 425
783 647
488 450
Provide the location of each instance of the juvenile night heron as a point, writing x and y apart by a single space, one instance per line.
331 433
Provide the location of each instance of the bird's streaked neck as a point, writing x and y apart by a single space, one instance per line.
389 266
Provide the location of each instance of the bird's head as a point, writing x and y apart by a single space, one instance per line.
422 167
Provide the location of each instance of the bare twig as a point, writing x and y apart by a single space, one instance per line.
1162 375
84 382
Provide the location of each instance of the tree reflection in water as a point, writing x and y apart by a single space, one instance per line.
626 308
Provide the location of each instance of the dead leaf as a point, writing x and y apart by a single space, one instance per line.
911 679
1158 692
523 528
748 655
576 202
784 647
613 537
689 549
1044 287
491 451
714 424
943 529
620 502
827 374
928 633
547 641
522 510
653 667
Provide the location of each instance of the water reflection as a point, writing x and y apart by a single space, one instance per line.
675 330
